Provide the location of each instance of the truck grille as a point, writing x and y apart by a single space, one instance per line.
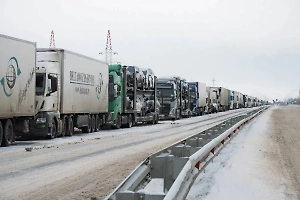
166 107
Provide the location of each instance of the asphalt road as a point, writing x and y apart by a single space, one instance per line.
89 166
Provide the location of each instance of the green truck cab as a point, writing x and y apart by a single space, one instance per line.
129 105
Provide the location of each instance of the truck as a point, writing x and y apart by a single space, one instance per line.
234 100
222 98
241 103
17 87
129 105
249 101
214 94
173 95
197 97
208 107
71 91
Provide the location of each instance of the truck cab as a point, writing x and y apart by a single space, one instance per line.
47 96
128 103
170 97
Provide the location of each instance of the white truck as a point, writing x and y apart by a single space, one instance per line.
214 94
220 98
17 87
241 102
72 91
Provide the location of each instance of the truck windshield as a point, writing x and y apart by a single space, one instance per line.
131 69
166 92
40 84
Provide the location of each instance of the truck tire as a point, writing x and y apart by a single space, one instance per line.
97 123
156 119
65 125
118 122
8 133
1 133
70 126
129 124
53 130
93 124
88 128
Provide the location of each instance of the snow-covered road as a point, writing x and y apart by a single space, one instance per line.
89 165
261 162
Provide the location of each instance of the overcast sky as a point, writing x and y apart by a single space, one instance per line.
250 46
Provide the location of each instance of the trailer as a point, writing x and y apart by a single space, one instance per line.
71 91
197 97
17 87
129 105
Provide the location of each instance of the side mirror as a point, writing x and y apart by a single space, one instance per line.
53 84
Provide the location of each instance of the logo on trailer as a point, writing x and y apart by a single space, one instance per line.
99 86
8 82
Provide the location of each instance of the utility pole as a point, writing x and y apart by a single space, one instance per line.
108 50
213 82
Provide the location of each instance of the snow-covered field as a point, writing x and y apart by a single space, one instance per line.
89 166
261 162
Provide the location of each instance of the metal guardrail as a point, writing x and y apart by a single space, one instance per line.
170 173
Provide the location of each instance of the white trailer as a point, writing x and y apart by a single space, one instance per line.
17 87
235 100
224 99
202 95
231 98
72 91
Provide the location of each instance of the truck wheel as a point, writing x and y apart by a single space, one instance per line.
64 127
129 124
93 124
88 128
8 133
118 122
71 126
97 123
156 119
53 130
1 133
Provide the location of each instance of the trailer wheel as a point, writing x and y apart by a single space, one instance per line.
129 124
88 128
118 122
97 123
71 126
156 119
1 133
93 124
64 127
8 133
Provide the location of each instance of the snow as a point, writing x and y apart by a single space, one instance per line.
155 186
238 172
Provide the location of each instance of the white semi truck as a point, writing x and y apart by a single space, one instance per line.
72 91
17 87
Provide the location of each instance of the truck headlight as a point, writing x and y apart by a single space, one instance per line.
41 120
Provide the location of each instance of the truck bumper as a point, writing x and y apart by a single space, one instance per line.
41 125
